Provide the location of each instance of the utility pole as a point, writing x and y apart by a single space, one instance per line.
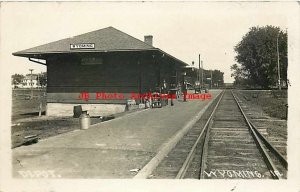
199 69
38 81
202 74
210 79
278 64
31 96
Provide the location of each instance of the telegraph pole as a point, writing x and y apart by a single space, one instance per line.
278 64
202 74
199 69
38 81
31 96
210 79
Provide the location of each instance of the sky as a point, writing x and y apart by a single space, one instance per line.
182 29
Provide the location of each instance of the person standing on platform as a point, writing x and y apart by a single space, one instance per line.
178 91
165 92
184 90
172 91
171 94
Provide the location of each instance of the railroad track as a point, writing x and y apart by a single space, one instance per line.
226 146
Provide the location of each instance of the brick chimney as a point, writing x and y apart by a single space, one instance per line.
148 39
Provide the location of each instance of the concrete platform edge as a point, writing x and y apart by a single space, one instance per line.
169 145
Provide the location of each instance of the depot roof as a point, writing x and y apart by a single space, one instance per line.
104 40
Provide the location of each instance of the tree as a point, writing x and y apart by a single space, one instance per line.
217 77
17 79
43 79
241 76
257 57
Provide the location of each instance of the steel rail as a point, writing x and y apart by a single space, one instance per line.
270 147
188 160
204 155
270 164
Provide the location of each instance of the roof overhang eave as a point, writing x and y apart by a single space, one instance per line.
46 54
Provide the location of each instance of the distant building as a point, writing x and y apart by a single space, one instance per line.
191 74
228 84
30 81
104 61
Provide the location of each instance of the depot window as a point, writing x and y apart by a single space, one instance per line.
92 60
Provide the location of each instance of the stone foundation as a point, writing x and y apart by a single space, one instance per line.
64 109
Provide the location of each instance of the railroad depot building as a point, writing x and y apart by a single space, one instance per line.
104 61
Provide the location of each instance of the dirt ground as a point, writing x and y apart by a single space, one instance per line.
268 109
24 107
26 120
272 102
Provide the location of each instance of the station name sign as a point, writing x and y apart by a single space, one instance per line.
82 46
